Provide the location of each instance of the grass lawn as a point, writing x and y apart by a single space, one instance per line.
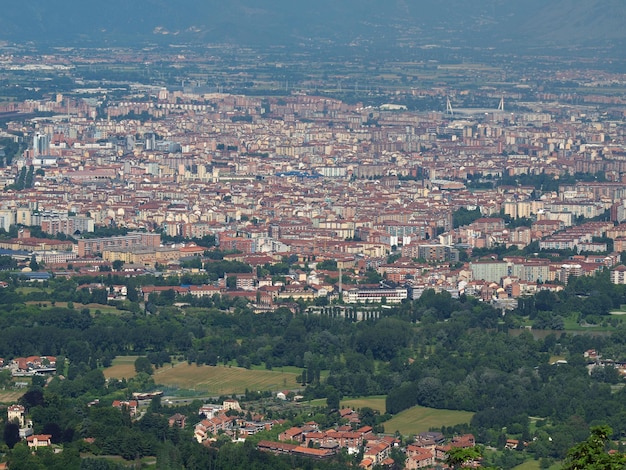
420 419
290 369
316 402
528 465
220 380
28 290
104 308
212 380
123 368
533 422
534 465
10 396
571 324
375 403
553 359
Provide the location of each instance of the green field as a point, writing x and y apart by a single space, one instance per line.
103 308
212 380
534 465
220 380
292 369
376 403
420 419
27 290
123 368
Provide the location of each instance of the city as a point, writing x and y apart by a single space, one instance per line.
222 255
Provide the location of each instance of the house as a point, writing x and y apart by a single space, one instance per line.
34 363
39 440
513 444
130 405
377 452
349 414
419 457
276 447
464 441
319 454
429 439
177 420
16 413
250 428
209 411
212 426
291 434
231 404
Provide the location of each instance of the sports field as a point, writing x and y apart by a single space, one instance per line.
420 419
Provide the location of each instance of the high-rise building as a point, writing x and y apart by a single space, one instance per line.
41 144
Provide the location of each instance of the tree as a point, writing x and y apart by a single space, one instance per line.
458 456
5 378
591 454
117 265
333 398
6 263
11 434
399 458
463 216
143 364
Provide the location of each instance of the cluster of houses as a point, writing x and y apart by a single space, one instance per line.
217 420
430 448
307 440
17 414
32 365
595 360
129 405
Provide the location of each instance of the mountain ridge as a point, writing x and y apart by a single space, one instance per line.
498 23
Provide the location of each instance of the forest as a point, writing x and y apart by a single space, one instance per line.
437 351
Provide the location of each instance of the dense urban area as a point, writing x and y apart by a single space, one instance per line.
229 258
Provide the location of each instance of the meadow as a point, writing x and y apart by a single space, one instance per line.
102 308
123 368
212 380
420 419
375 402
10 396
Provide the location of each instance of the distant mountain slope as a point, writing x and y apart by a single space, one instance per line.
510 23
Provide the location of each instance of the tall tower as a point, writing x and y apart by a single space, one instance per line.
449 109
340 284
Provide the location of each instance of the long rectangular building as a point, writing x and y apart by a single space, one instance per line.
391 296
93 246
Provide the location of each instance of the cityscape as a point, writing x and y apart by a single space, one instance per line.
404 253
